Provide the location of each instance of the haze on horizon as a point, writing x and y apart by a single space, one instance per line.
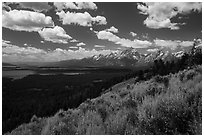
47 31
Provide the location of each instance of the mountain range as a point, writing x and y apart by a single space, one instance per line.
129 57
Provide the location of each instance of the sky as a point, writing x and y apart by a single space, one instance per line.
55 31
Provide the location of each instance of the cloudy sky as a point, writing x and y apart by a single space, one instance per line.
60 31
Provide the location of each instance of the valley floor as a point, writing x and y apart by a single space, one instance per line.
170 104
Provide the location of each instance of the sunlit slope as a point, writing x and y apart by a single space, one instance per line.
169 104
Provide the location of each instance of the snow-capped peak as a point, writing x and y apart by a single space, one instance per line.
131 57
178 54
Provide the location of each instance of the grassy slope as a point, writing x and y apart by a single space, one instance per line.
162 105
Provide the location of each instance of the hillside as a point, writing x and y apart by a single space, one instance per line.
170 104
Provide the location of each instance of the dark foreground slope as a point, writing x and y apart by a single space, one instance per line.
170 104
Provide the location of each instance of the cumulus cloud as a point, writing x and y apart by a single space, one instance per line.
155 24
133 34
166 43
91 29
64 5
161 13
6 41
74 40
13 53
75 5
112 29
73 47
172 44
81 44
186 43
55 35
36 6
145 36
86 5
106 35
82 19
22 20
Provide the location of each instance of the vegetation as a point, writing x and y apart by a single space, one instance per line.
165 99
149 107
45 95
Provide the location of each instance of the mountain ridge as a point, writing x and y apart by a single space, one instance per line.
129 57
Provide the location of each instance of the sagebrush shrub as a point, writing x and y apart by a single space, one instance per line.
34 119
132 117
123 93
103 113
91 124
162 79
181 76
190 74
165 115
130 102
166 81
116 123
154 89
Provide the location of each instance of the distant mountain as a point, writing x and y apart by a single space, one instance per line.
129 57
126 58
7 64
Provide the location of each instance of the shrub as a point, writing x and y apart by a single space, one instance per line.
47 129
162 79
61 113
129 102
181 76
198 69
176 114
87 105
132 118
116 123
103 113
158 79
168 113
33 128
34 119
196 127
91 124
128 87
123 93
60 128
190 74
166 81
154 89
